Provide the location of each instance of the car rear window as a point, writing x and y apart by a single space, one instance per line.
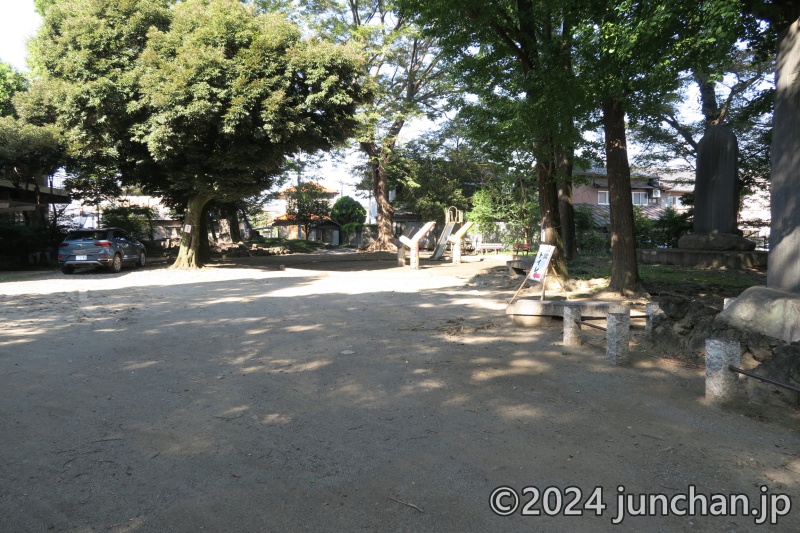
91 235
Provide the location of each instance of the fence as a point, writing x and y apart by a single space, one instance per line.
723 361
618 325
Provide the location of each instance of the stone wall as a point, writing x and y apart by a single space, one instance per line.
681 326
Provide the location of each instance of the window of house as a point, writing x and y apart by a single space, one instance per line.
640 198
674 202
602 197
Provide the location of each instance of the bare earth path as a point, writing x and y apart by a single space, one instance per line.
344 396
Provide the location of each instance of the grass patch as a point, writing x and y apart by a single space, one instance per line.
672 278
590 267
690 280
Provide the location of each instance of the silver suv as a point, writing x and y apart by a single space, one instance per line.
105 247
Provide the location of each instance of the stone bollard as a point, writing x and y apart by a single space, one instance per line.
401 255
572 330
457 253
650 309
720 380
618 335
413 260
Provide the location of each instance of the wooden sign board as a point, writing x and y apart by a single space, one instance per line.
542 261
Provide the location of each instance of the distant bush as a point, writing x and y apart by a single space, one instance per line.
346 211
588 239
138 221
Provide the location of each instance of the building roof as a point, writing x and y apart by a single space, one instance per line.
601 214
289 220
325 190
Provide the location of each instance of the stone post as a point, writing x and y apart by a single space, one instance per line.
401 255
457 253
414 256
572 330
618 333
720 380
650 309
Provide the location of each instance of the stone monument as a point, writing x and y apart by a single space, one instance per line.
784 239
716 201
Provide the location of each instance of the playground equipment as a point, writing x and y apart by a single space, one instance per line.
454 216
413 244
456 239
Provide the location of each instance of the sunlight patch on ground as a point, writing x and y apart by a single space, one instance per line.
275 419
15 341
519 411
515 368
293 367
300 329
229 299
426 385
138 365
143 278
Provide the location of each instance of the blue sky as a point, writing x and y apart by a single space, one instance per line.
18 22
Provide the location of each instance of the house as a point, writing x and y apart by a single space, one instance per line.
646 191
323 229
650 193
277 206
26 197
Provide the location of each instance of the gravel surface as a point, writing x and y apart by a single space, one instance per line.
346 394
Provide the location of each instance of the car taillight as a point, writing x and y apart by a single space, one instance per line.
63 245
104 244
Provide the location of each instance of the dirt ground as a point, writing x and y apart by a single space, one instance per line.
347 394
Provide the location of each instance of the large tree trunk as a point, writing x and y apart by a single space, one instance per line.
228 217
204 246
783 270
233 221
566 213
224 228
379 157
189 253
624 268
551 220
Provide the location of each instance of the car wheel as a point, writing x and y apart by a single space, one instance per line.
142 259
68 269
116 264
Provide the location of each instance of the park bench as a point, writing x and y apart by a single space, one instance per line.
522 247
489 246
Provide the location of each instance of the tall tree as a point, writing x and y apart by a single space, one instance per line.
631 54
210 98
516 56
11 82
28 155
408 82
437 171
732 81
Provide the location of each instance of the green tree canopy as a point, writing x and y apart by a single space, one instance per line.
405 69
347 210
11 82
196 100
29 154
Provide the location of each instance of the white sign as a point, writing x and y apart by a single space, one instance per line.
187 228
540 264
